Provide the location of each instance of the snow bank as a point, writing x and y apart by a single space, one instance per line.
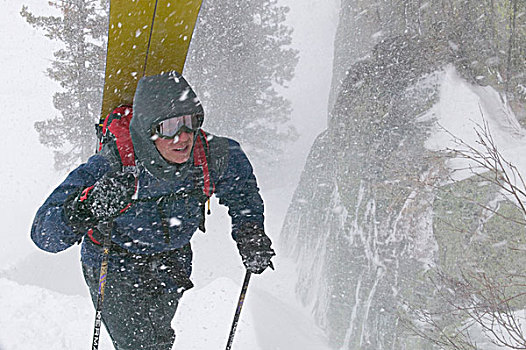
36 318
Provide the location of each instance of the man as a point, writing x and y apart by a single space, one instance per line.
154 211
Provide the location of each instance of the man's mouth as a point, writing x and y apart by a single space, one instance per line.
181 149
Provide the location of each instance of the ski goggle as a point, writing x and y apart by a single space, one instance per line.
172 127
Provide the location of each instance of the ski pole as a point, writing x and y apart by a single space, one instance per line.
105 229
238 310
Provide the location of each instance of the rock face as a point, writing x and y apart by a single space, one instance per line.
376 217
488 37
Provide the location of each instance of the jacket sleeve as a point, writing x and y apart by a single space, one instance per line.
50 230
237 189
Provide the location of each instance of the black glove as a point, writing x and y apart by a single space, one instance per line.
102 201
254 247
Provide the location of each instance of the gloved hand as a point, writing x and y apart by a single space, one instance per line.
254 248
102 201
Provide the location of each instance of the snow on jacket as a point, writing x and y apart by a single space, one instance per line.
167 212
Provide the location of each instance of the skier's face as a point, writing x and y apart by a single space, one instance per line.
176 150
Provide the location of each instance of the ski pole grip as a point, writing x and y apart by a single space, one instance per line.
105 228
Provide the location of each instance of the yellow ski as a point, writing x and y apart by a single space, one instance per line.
146 37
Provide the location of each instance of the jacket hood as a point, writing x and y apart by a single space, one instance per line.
157 98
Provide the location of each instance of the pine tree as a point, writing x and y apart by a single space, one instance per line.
239 59
79 68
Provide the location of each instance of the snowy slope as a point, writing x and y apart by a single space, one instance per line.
44 302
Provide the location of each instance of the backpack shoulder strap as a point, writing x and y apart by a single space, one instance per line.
201 159
211 154
119 127
114 137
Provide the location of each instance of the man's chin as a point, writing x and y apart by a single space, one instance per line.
178 158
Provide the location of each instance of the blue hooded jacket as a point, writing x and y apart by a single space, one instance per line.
166 213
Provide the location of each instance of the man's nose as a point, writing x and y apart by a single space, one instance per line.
185 136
